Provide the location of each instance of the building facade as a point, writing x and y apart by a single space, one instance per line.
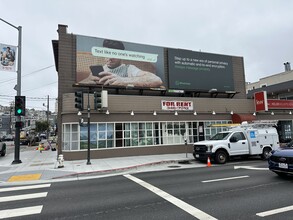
279 95
197 91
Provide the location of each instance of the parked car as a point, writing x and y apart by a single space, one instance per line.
281 160
8 137
2 149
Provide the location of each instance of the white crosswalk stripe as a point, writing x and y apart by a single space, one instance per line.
25 187
9 213
22 211
22 197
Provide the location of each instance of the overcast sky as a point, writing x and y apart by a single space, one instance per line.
260 31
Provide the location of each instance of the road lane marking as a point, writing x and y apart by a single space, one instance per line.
22 197
275 211
25 187
9 213
177 202
249 168
26 177
224 179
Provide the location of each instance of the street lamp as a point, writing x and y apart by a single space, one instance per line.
18 91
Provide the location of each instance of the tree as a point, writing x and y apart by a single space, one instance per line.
42 126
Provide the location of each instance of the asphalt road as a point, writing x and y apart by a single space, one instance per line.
223 192
10 147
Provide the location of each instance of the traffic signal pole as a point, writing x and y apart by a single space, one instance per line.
88 129
18 91
100 100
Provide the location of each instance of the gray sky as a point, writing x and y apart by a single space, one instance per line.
259 30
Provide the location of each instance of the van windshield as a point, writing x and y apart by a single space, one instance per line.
221 136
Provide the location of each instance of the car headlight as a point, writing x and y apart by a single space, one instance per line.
209 147
271 153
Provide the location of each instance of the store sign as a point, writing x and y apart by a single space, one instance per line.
263 104
260 101
177 105
280 104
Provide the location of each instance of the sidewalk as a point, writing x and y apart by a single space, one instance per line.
44 166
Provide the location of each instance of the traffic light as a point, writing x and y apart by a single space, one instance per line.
98 100
79 100
101 99
19 106
19 124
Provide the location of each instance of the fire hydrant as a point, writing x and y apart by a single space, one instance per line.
60 161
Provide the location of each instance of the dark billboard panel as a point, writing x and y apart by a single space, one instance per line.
197 71
119 64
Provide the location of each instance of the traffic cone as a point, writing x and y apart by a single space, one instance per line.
209 164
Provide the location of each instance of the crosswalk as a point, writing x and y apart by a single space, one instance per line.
25 210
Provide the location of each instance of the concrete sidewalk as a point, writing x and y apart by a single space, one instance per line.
44 166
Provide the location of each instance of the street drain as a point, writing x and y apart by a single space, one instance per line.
184 162
174 166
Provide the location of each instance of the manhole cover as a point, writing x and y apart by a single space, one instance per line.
174 166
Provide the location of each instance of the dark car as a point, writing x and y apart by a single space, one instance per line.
281 160
8 137
2 149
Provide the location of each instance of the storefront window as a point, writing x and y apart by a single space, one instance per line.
70 137
74 137
108 135
211 129
84 137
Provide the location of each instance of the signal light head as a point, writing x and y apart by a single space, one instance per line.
79 100
19 106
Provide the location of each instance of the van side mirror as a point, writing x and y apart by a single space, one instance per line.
233 139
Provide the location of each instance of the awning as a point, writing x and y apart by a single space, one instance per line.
238 118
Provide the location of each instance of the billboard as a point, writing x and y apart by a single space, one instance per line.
7 58
197 71
106 62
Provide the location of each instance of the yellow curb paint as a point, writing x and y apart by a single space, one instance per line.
26 177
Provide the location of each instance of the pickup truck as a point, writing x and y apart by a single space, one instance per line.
239 141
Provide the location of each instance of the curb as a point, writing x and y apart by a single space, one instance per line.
122 169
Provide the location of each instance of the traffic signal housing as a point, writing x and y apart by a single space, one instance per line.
100 99
19 124
79 100
19 106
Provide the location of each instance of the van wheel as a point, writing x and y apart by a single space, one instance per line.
221 157
265 153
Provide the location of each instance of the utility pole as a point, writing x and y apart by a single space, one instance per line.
48 118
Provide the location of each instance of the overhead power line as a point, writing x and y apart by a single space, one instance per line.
36 71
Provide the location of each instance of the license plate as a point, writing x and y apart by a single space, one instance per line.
197 155
283 165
